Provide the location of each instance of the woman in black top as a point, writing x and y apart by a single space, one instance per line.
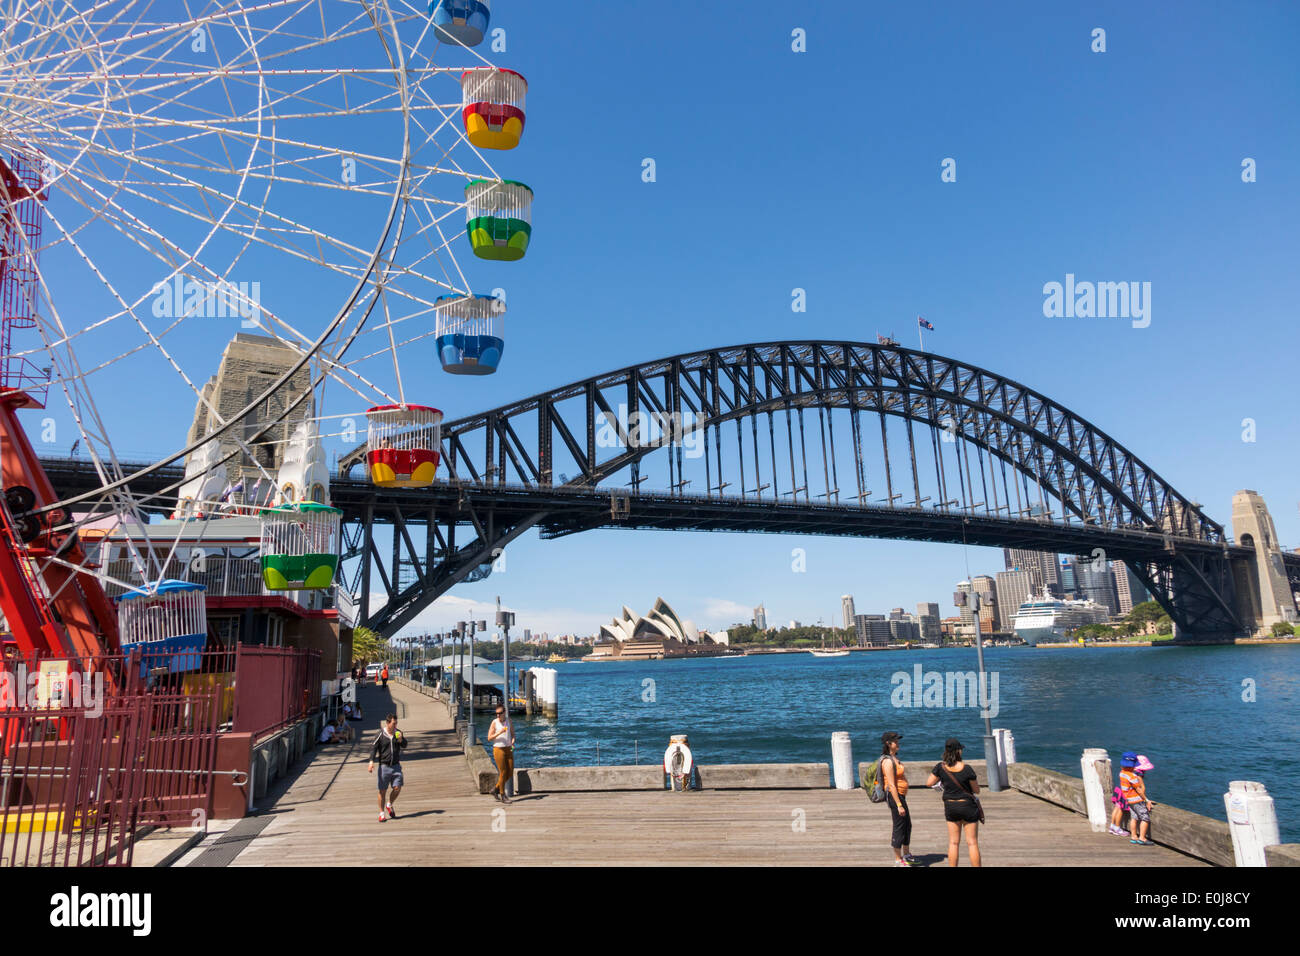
961 806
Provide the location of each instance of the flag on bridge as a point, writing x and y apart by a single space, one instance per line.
924 324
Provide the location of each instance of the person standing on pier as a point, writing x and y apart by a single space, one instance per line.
502 735
387 750
961 806
895 776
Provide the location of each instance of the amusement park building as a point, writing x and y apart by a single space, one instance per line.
223 555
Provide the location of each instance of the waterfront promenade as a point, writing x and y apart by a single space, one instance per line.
326 816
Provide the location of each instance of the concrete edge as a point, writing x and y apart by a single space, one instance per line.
147 835
185 846
482 768
650 777
1282 854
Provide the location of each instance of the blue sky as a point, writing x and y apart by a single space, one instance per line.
820 170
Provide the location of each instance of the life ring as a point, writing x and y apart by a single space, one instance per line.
678 762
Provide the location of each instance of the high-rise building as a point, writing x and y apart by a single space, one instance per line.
1129 589
903 630
1097 583
872 630
1014 589
927 616
1044 563
846 604
1069 579
897 614
990 620
760 618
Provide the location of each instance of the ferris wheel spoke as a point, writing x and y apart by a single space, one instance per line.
141 31
253 230
304 138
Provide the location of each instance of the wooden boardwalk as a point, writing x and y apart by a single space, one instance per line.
327 816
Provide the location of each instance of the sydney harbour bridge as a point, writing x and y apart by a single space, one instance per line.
811 437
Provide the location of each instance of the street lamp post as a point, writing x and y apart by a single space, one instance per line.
473 626
459 684
504 620
961 599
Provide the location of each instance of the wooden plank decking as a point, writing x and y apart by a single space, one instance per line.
327 816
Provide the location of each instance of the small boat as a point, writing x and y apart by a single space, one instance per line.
840 651
556 659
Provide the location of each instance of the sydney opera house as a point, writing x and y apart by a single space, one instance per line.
659 634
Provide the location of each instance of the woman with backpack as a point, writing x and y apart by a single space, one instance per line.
961 802
894 776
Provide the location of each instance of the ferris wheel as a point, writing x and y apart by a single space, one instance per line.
311 171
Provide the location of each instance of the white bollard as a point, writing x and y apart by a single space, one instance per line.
842 759
1009 746
549 691
1006 745
1094 794
1252 821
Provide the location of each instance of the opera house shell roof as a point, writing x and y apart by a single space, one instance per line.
659 633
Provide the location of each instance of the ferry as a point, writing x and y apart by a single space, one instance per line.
1045 618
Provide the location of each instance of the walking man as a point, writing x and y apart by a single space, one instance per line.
387 751
502 735
383 675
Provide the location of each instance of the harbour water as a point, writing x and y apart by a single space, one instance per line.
1187 709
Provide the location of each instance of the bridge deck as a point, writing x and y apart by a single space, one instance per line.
327 817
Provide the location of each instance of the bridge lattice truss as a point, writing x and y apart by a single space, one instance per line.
813 437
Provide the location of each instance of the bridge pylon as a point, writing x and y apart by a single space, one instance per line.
1265 593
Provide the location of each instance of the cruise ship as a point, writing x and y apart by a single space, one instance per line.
1045 618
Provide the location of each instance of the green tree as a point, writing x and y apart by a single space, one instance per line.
1147 612
1283 629
367 645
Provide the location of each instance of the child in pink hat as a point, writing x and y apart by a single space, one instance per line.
1139 804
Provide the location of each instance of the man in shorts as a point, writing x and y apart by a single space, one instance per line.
387 752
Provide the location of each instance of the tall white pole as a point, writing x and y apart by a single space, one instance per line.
994 777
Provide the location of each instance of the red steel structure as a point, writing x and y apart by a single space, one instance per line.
53 607
81 771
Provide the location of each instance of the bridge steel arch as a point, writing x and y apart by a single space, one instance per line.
1065 484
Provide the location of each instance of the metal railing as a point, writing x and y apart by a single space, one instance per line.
226 576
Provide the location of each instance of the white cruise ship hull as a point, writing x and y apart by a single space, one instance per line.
1040 633
1046 621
